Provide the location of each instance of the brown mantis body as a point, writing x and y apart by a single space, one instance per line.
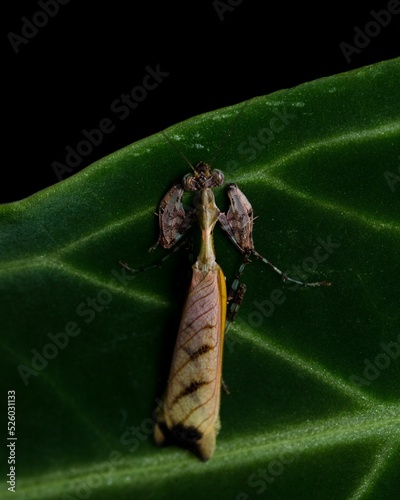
189 412
190 409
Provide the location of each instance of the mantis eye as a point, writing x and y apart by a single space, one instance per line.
202 178
189 183
218 177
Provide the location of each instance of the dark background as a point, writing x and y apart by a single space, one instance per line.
66 77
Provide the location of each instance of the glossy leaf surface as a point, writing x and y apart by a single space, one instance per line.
314 374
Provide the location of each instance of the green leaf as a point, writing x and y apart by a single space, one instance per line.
314 374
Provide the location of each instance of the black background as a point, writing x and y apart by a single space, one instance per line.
66 77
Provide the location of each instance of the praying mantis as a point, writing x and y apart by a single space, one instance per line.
189 412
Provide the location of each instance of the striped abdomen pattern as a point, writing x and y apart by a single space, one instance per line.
190 407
